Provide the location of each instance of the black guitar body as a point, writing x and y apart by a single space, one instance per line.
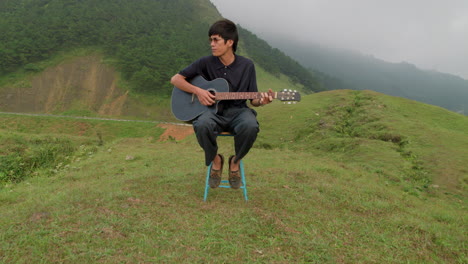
187 107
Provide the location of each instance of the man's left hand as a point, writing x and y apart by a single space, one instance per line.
266 98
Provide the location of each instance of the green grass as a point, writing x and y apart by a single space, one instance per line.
99 130
391 136
330 181
40 145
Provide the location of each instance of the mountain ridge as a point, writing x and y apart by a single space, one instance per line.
365 72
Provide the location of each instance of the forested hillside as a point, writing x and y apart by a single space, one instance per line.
147 41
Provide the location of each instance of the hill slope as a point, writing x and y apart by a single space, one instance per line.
344 176
418 142
83 83
146 41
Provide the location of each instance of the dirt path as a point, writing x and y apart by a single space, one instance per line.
177 132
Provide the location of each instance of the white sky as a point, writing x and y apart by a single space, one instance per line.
432 34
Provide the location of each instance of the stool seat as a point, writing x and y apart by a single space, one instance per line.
224 182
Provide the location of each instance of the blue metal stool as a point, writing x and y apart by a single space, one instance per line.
241 168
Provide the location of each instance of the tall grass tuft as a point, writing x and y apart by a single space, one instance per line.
24 156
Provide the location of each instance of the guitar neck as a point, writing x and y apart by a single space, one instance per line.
240 96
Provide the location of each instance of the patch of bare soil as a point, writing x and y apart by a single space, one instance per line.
84 83
177 132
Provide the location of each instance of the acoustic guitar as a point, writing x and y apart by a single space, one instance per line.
186 107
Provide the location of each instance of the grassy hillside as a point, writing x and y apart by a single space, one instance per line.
398 139
342 177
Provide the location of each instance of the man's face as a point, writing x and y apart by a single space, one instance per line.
219 46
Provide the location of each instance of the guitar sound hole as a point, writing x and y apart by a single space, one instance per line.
212 91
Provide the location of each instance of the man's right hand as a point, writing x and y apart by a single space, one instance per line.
205 97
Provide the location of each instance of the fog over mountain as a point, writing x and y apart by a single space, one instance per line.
431 34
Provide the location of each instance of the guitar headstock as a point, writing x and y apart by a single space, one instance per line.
289 96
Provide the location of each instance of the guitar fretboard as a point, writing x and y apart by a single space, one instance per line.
240 96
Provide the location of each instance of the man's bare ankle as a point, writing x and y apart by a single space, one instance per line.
217 162
234 165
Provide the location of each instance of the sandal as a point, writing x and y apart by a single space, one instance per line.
215 175
234 176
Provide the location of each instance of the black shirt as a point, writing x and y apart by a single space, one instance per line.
240 75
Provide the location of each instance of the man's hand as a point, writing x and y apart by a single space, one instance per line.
266 98
205 97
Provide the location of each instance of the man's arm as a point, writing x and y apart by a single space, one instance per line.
205 97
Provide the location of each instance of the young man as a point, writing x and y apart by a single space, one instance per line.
234 115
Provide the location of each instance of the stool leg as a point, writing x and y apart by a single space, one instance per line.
207 186
243 187
244 182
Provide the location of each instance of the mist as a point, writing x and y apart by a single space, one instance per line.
431 34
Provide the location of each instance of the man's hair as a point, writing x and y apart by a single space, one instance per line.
227 30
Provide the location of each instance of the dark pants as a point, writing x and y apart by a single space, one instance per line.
242 122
